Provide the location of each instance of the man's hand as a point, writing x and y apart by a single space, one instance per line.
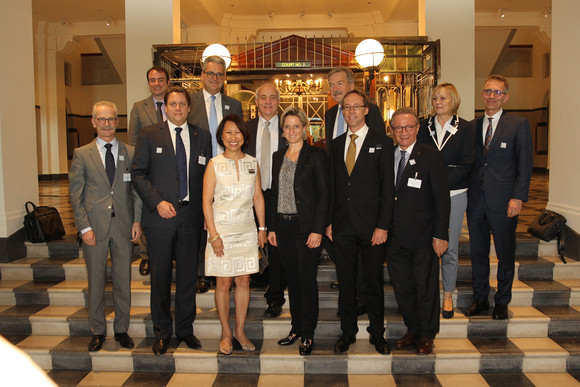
166 210
514 208
440 246
89 238
379 237
136 232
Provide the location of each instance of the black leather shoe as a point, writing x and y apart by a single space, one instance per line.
191 341
160 346
125 340
144 267
288 340
477 308
96 343
273 311
305 347
407 341
500 312
380 344
343 343
203 286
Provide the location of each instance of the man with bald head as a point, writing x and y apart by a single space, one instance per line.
265 139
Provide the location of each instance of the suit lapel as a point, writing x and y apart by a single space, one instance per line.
97 160
193 156
122 163
411 168
167 143
363 154
501 125
302 157
200 103
478 133
151 109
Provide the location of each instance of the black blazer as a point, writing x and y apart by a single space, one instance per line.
310 189
422 214
155 176
373 119
365 198
506 170
458 149
253 131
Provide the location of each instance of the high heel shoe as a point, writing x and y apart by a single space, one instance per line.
226 349
447 314
246 347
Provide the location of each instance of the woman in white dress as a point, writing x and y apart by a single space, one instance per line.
231 189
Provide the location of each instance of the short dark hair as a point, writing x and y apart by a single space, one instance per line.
159 69
355 91
404 110
239 122
177 89
499 78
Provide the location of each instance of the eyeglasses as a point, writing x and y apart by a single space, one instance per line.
497 93
102 120
407 128
211 74
353 107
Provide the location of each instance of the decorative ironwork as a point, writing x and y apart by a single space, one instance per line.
299 87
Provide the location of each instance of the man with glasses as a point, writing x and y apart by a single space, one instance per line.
419 233
107 213
499 184
208 107
361 210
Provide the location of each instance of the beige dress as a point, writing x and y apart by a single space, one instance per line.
234 218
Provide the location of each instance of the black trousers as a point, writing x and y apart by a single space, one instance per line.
347 244
276 276
300 264
415 277
481 223
361 285
180 242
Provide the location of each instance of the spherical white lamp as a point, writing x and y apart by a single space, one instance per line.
218 50
369 53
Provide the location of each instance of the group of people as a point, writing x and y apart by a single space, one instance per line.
209 189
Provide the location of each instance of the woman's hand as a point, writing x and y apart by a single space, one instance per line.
272 239
314 240
218 247
262 238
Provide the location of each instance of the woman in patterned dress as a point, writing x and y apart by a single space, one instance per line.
231 190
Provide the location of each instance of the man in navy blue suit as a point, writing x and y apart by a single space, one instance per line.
499 184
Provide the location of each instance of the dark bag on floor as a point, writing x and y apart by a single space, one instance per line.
42 224
547 226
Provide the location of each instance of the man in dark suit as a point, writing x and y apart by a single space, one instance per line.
360 213
268 126
499 184
107 213
208 107
144 113
168 168
420 232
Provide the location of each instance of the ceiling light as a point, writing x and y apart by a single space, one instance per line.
369 53
109 21
217 50
500 13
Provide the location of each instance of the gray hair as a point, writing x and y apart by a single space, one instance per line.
404 110
214 59
260 88
104 103
347 71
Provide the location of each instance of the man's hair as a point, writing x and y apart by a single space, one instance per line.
404 110
239 122
363 95
104 103
499 78
348 72
177 89
158 69
455 98
260 88
214 59
296 112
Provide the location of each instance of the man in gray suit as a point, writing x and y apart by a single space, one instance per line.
107 212
144 113
208 107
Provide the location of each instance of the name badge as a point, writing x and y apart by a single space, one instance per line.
371 150
452 130
126 177
503 145
251 171
415 183
201 160
121 158
227 107
159 149
412 162
379 147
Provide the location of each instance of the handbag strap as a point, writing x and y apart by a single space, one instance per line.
28 211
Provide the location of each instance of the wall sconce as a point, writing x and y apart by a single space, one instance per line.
548 12
218 50
109 21
500 13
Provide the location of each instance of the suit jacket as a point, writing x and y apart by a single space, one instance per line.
373 119
143 113
365 198
422 214
458 149
198 114
506 169
93 198
155 174
253 131
310 189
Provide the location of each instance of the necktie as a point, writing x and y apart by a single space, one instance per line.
159 111
402 164
213 124
181 163
265 157
340 122
351 153
110 163
488 135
